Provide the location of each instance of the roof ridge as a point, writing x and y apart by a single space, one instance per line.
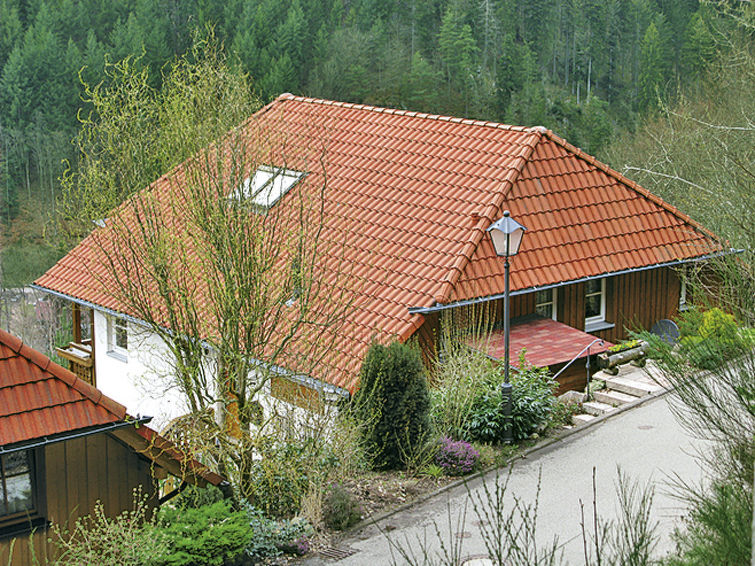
555 138
66 376
399 112
486 218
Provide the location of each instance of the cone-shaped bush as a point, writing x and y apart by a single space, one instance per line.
392 403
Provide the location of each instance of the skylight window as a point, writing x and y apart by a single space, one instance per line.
267 185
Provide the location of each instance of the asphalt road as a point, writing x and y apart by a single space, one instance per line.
646 442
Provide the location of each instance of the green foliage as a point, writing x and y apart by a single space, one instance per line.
392 402
717 528
271 538
460 378
533 404
341 510
710 338
433 471
22 262
491 60
533 399
130 539
209 535
277 482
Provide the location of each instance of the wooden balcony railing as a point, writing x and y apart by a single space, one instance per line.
80 360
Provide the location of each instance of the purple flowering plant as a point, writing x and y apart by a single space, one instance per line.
456 457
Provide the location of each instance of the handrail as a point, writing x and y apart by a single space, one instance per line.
587 365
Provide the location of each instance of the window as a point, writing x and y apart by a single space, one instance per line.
545 303
18 483
685 301
117 337
595 301
267 185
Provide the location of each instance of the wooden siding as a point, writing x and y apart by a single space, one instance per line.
633 301
78 473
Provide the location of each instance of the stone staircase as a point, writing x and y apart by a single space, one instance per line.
631 384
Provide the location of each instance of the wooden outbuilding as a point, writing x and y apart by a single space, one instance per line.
63 447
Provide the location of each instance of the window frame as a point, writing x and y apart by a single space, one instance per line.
601 317
114 325
288 179
13 524
553 302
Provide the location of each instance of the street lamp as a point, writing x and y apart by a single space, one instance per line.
506 234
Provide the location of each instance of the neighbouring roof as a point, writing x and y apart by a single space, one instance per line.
40 399
546 342
407 199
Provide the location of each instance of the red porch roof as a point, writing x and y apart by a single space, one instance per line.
547 342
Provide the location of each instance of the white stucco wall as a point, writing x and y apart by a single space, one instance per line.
141 381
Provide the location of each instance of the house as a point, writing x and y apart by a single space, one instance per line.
407 198
64 446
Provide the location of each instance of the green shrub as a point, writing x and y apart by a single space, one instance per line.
716 528
392 402
341 510
129 539
272 538
278 481
459 380
532 399
211 535
716 340
689 322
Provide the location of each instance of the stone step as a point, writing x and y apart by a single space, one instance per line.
631 386
597 408
578 420
612 397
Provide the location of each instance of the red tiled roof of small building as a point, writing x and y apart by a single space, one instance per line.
407 201
39 398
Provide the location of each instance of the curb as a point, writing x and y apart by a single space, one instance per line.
558 437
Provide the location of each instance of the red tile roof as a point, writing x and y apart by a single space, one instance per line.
546 342
40 399
407 201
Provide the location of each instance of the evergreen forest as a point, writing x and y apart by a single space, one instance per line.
590 70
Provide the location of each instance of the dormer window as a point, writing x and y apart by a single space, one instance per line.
267 185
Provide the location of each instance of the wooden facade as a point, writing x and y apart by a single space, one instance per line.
74 475
633 301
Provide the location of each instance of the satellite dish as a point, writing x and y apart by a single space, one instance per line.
666 330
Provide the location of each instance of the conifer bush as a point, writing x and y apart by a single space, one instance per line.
392 403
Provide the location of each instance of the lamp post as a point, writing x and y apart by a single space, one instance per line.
506 234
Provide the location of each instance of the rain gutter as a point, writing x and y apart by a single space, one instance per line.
305 380
469 302
62 437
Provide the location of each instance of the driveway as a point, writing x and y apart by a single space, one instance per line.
646 442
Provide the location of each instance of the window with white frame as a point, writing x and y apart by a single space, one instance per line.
267 185
117 336
595 301
545 303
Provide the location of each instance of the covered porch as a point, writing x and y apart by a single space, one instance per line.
547 343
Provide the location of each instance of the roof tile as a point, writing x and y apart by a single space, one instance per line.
401 191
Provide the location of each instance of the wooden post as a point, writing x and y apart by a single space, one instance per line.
76 323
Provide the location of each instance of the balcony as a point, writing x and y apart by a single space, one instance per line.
80 359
